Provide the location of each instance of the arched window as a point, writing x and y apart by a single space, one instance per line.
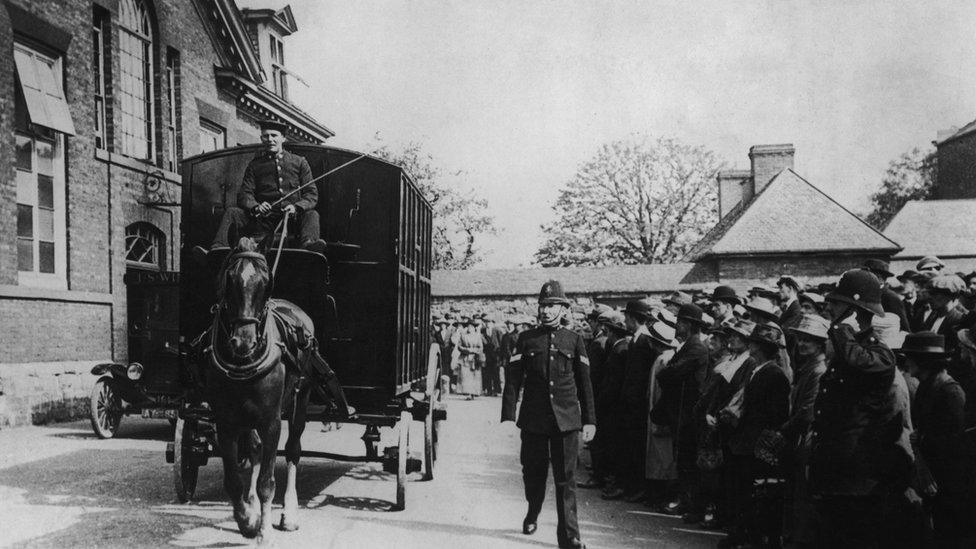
136 79
145 246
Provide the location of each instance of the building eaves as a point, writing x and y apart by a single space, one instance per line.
262 102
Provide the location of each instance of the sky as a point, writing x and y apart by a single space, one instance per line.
519 94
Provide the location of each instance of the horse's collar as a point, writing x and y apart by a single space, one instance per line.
269 356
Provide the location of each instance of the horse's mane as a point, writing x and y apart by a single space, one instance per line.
246 250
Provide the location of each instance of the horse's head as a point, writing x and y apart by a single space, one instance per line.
244 290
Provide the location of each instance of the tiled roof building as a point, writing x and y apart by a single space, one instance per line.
945 228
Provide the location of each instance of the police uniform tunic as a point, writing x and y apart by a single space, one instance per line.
268 178
552 366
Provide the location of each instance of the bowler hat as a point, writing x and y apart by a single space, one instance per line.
726 294
859 288
879 268
928 344
552 293
639 308
268 124
811 325
762 308
692 313
678 298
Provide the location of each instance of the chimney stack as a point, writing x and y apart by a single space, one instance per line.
730 189
767 161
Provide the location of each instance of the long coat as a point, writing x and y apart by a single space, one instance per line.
938 418
856 426
680 381
552 365
765 406
659 463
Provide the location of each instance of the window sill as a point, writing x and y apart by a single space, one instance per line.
47 294
137 165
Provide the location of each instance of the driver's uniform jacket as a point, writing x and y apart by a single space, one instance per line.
856 425
269 177
552 366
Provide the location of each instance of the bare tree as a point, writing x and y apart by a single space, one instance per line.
639 200
460 218
909 177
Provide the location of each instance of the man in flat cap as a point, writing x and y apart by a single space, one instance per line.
270 176
550 362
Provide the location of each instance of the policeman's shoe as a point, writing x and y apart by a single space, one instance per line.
676 508
318 246
529 526
573 544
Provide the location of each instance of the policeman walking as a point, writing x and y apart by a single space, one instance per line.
551 363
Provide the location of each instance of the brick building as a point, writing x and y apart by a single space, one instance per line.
956 160
101 100
772 222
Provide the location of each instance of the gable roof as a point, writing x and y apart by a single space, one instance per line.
617 279
945 228
790 215
226 29
965 130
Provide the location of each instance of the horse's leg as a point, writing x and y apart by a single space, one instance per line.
293 452
264 473
227 439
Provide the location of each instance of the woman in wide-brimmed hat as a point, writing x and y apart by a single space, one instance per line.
938 420
755 441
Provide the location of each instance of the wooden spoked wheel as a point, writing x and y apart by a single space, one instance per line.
403 449
106 408
433 395
185 468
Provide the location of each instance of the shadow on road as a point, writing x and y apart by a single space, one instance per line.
356 504
455 529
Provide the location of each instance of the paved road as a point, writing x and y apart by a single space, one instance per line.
62 487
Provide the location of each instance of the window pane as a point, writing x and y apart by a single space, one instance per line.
25 221
45 224
23 160
47 78
47 257
25 255
45 191
25 68
26 188
45 157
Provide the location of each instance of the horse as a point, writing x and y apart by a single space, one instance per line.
257 367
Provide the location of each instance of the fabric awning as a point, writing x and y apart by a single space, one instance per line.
45 100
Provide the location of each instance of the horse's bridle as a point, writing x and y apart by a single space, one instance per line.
227 326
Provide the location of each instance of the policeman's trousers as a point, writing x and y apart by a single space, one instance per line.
236 223
539 450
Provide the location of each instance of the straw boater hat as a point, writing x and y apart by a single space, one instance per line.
613 320
740 327
666 317
762 308
811 325
598 309
677 298
662 334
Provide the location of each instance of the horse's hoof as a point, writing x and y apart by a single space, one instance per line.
248 526
286 525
